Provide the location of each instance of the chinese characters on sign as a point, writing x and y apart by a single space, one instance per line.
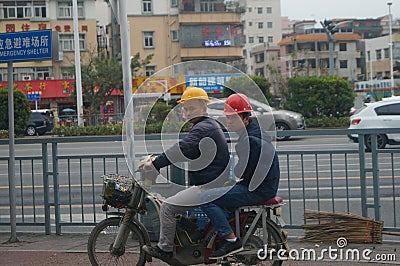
216 43
209 82
42 26
25 46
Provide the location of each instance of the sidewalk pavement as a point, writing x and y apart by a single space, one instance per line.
70 249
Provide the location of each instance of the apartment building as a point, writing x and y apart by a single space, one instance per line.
308 55
182 30
263 25
29 15
377 55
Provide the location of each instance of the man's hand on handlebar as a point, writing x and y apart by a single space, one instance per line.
147 169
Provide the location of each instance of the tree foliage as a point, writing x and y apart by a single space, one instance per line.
250 86
102 75
137 63
22 110
329 96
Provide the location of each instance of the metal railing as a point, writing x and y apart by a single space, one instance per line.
56 191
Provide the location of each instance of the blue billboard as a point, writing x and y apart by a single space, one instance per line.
25 46
209 83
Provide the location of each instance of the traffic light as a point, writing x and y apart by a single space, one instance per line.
327 22
330 26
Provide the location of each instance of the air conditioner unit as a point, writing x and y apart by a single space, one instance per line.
26 77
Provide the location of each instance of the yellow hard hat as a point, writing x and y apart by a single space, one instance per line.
194 93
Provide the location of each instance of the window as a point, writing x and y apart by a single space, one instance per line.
386 52
148 39
216 106
65 9
150 70
260 25
207 5
250 9
147 7
42 73
259 10
270 39
390 109
174 3
67 73
250 23
66 42
342 47
23 9
261 39
343 63
269 10
269 25
378 54
259 58
174 35
251 39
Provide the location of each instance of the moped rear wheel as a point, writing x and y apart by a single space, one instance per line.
102 238
254 243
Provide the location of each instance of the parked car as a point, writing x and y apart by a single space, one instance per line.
284 119
382 114
38 124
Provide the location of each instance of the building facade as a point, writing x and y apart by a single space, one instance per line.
29 15
308 55
263 25
378 57
182 30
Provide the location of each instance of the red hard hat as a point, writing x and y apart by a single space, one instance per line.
236 104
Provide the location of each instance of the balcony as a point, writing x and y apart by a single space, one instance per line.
228 53
212 17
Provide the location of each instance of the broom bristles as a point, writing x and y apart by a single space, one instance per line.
328 227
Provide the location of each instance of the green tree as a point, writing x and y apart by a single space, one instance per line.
102 75
250 86
22 110
326 96
137 63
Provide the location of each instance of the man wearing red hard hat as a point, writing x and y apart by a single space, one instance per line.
257 170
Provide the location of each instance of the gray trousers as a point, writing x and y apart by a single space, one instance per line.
181 202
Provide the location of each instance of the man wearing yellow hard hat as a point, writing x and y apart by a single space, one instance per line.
206 151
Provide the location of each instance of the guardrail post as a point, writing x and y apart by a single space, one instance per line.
56 188
363 183
375 177
45 165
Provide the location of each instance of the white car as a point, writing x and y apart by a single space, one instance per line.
382 114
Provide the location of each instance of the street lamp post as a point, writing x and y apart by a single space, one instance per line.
391 50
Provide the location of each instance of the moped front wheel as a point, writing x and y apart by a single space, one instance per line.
101 240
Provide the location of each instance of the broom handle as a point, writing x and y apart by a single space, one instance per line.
391 233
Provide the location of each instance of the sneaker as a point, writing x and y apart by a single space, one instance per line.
227 248
158 253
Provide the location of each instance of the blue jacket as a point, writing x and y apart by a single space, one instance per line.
258 164
206 149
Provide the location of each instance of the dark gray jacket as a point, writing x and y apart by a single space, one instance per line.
206 150
258 164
